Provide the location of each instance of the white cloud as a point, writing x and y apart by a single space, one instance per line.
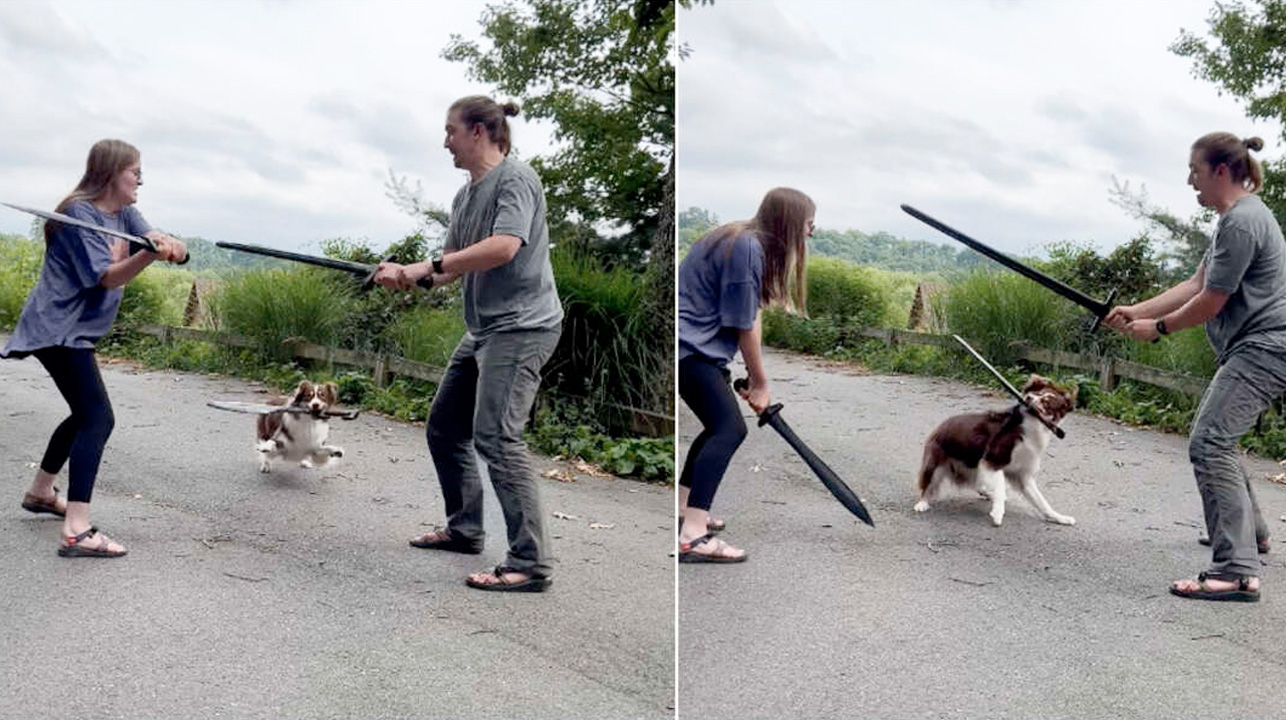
1007 119
271 122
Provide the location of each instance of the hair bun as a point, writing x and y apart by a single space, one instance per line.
1253 143
510 108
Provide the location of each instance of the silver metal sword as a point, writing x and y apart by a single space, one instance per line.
69 220
1058 431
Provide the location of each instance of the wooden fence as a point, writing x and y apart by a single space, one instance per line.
1107 367
382 367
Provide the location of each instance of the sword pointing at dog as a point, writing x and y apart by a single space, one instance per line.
362 270
842 492
1100 309
1058 431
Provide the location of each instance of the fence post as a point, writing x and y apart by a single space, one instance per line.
1107 373
381 370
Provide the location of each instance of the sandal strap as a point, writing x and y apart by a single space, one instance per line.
687 546
74 539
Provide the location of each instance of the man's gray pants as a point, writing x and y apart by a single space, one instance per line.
1243 387
482 403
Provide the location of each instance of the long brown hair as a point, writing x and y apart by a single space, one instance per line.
107 158
476 109
1221 148
780 227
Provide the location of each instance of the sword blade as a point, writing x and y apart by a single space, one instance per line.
1058 431
347 266
1099 309
69 220
841 490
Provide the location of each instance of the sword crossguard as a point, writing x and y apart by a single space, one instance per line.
1098 320
765 417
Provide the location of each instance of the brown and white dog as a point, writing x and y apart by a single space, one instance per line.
984 450
295 436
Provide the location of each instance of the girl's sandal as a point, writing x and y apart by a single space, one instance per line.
72 546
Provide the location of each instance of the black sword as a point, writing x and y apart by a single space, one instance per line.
842 492
362 270
1100 309
1058 431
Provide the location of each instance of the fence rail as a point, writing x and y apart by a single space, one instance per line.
381 365
1108 368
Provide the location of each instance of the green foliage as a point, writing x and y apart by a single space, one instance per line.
20 261
281 306
570 429
1183 242
885 251
995 309
1185 351
1131 270
612 349
601 72
426 334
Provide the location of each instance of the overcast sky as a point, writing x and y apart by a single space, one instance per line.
1006 120
274 123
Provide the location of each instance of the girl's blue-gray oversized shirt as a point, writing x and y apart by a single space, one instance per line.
719 286
68 307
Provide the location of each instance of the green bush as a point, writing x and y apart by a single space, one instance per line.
611 348
993 310
426 334
281 306
20 261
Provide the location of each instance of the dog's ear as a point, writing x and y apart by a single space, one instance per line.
1033 381
304 388
331 391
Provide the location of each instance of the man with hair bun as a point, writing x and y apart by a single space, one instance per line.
1239 292
498 243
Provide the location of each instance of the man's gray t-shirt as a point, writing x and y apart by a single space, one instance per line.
68 307
519 295
1247 260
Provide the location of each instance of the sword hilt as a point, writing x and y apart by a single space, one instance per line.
765 417
1098 320
423 282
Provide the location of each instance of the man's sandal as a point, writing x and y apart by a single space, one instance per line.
33 504
533 583
72 546
443 539
717 554
1241 593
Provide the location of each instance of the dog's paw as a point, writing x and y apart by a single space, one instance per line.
921 506
1062 519
997 517
263 467
266 446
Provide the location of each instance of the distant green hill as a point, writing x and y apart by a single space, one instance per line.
207 256
880 250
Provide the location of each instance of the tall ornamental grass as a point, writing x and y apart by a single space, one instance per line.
426 334
282 306
997 309
612 349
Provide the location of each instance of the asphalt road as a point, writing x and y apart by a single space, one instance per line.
295 594
942 615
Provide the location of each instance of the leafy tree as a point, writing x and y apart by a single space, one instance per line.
601 71
1131 269
1246 57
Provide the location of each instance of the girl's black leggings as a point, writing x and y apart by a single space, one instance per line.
83 435
703 385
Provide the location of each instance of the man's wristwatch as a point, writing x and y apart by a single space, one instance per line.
437 265
1161 330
